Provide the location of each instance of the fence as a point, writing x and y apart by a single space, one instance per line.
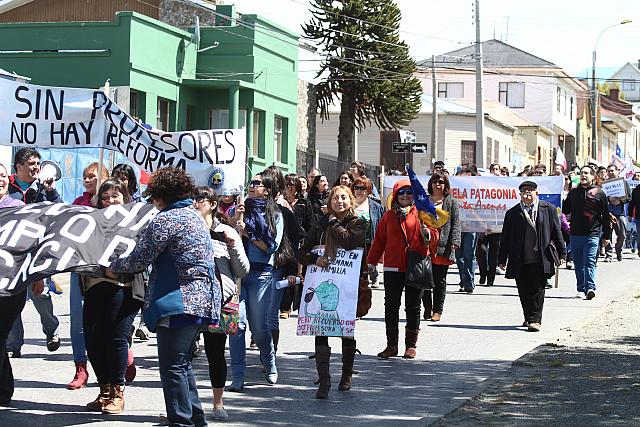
331 166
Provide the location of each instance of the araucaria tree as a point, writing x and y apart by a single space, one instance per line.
366 67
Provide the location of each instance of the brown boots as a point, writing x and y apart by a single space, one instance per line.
410 341
109 401
323 355
81 377
348 354
392 345
102 399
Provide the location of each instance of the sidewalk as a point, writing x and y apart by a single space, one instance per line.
590 376
478 339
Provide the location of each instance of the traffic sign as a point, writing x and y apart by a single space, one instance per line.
400 147
419 147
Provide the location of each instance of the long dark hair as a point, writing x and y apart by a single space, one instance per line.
316 182
437 176
126 170
212 197
271 208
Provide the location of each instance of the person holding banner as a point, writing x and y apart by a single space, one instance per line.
370 211
76 298
586 206
10 305
445 255
127 175
109 309
262 231
184 293
340 229
531 242
399 231
634 212
617 210
26 186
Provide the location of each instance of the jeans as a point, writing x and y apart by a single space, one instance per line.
394 284
275 299
238 345
621 233
255 293
109 311
176 374
637 221
585 253
50 323
76 302
10 308
465 258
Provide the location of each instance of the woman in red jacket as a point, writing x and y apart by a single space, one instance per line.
400 230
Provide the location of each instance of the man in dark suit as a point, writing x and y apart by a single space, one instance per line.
531 239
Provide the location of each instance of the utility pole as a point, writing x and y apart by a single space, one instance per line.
480 143
434 113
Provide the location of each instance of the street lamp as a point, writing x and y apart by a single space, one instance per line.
594 92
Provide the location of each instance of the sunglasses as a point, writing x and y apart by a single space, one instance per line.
439 182
405 192
255 184
199 199
359 188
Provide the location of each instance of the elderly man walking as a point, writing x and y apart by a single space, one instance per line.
531 242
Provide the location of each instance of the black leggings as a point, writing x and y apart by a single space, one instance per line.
439 290
394 284
214 348
325 340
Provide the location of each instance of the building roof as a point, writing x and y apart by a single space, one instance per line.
12 76
444 106
6 5
495 53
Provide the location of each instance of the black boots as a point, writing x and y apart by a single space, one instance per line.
392 345
323 355
348 354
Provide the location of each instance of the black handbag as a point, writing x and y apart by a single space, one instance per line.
419 272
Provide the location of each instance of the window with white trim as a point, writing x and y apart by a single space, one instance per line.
450 90
511 94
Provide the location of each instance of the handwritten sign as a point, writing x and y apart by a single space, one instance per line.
330 296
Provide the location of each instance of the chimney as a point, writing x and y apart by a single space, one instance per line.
226 15
614 94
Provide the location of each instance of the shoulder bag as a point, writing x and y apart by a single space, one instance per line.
419 272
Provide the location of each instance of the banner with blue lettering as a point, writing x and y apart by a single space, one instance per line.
51 117
483 200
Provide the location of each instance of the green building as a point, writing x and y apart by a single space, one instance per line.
241 73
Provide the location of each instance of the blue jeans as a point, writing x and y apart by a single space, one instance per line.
76 302
465 259
176 374
237 345
256 292
273 317
50 323
584 250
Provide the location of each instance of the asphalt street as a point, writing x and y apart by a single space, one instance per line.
479 337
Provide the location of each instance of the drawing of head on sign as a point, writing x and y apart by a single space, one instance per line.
216 179
322 302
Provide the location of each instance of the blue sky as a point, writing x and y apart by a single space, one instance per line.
561 31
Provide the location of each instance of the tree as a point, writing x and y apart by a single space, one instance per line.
365 66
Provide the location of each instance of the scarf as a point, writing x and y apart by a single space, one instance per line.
178 204
255 221
400 212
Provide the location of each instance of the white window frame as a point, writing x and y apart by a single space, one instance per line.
508 96
448 89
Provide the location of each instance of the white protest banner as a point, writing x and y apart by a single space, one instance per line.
615 187
632 183
330 296
483 200
50 117
42 239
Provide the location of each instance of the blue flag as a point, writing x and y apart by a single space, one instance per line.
420 196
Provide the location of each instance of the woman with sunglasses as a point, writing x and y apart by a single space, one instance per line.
231 264
341 228
449 240
399 231
318 195
109 309
262 231
368 210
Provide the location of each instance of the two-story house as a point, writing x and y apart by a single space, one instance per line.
628 76
535 88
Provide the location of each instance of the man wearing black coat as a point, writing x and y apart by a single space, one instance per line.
530 232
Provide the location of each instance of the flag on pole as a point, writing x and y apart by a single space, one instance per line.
560 159
420 196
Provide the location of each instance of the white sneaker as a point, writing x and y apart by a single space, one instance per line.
579 295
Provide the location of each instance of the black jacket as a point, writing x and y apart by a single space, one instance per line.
512 240
634 205
304 214
589 212
34 194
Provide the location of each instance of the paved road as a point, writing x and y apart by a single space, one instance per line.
478 337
